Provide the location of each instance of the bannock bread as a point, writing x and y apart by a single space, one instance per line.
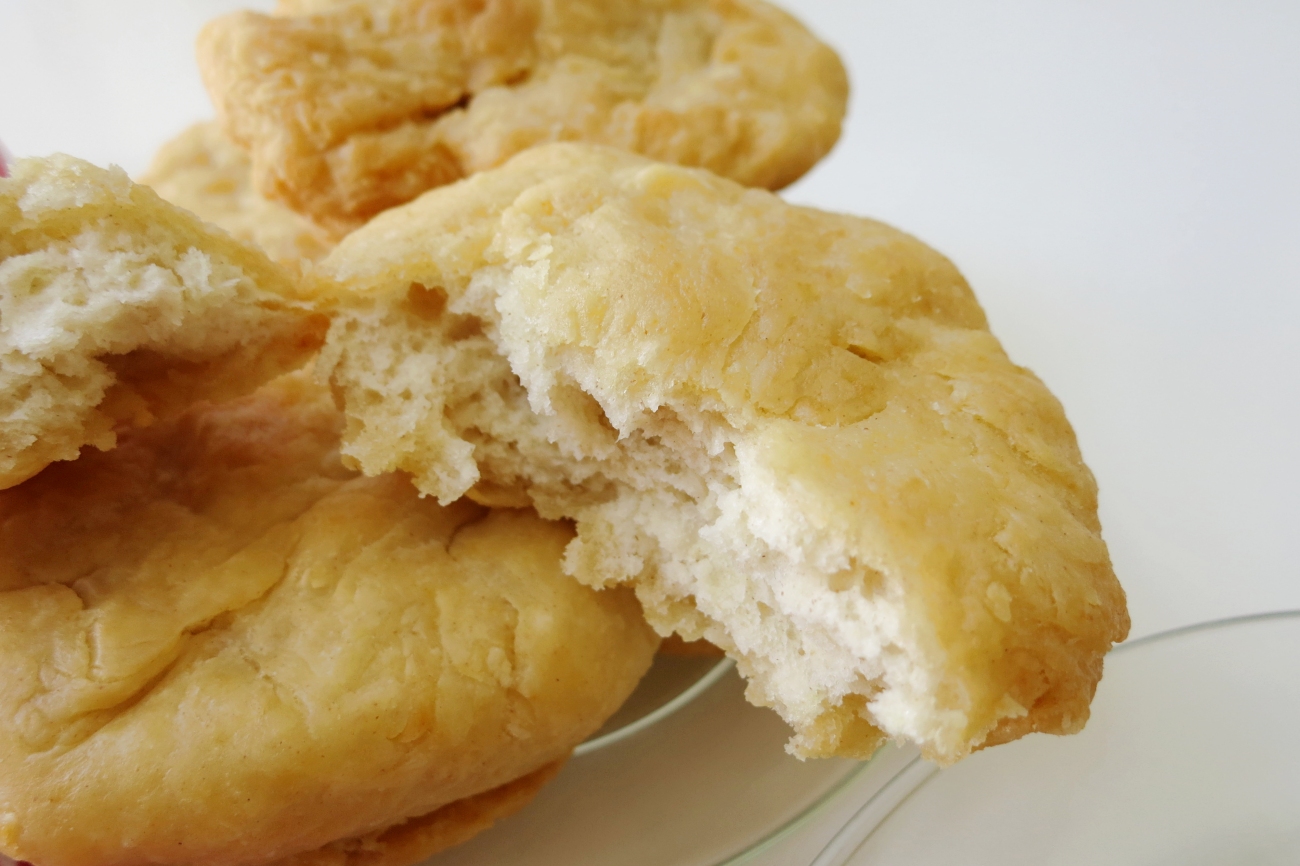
204 172
789 430
221 647
349 107
117 308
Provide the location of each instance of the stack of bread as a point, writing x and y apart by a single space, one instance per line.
329 527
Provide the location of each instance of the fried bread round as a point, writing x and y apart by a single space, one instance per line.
207 174
349 107
117 308
221 647
790 430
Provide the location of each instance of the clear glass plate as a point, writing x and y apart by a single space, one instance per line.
671 683
689 774
1192 757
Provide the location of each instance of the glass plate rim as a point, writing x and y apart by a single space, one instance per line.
917 772
631 729
803 818
774 836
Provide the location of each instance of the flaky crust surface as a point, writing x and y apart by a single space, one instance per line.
117 307
790 430
204 172
221 647
349 108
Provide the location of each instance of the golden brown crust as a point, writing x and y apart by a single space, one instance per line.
204 172
422 837
349 108
118 308
241 650
790 430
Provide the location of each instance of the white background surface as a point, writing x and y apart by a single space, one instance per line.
1119 180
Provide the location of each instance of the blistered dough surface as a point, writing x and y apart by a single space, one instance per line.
204 172
348 108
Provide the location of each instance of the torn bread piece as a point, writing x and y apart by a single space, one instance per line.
117 308
349 108
789 430
207 174
244 652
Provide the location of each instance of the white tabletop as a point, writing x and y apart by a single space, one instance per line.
1118 180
